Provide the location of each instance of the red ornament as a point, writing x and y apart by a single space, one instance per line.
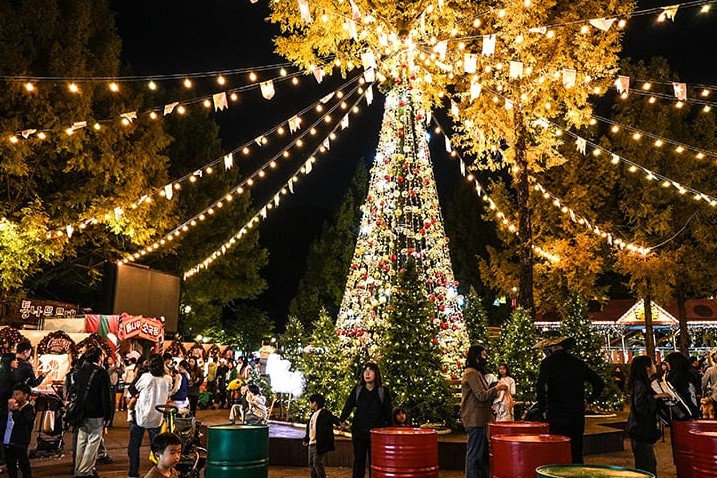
387 177
400 179
444 325
359 332
422 231
435 340
454 376
393 257
354 266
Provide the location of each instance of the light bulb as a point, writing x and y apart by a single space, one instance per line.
114 87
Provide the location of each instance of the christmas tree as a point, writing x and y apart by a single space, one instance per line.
588 347
476 320
515 348
402 221
411 351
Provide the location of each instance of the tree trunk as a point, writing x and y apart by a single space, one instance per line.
649 336
685 339
525 230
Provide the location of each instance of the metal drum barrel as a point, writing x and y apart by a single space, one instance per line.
404 453
592 471
237 450
517 456
682 443
704 454
514 428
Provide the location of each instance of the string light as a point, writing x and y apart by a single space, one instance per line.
152 85
114 87
73 88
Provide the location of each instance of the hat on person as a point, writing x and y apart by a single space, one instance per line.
560 341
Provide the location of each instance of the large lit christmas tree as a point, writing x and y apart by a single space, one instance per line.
401 221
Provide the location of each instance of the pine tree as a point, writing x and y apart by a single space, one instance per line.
476 320
410 352
515 348
293 341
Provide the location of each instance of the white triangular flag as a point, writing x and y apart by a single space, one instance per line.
69 230
516 69
118 212
199 173
169 108
463 167
260 140
131 116
478 188
267 89
168 191
448 145
542 30
304 10
318 74
508 104
326 98
78 125
615 159
220 101
369 75
441 48
369 95
581 144
294 124
603 24
277 199
368 60
470 61
291 185
569 77
680 90
263 212
27 132
488 45
454 108
345 122
572 214
429 115
228 161
670 12
308 166
326 144
353 31
383 39
622 84
475 89
355 13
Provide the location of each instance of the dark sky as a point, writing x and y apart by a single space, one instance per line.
161 36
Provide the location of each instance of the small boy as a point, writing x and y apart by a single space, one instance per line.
18 431
167 450
319 435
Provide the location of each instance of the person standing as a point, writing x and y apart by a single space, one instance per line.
196 377
150 389
642 425
24 372
372 402
561 391
685 382
709 379
503 404
97 407
19 431
476 399
319 435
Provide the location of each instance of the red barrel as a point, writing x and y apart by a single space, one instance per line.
404 453
517 428
517 456
704 454
682 443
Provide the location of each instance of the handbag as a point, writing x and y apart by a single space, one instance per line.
75 413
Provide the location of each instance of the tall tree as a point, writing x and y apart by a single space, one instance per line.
476 319
515 348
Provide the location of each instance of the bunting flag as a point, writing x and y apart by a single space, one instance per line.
508 104
603 24
463 166
622 84
581 144
277 200
78 125
294 124
475 90
516 69
131 116
383 39
260 140
326 144
454 109
569 77
220 101
470 61
326 98
449 149
305 12
118 212
353 32
291 185
369 75
541 30
318 74
263 212
168 191
355 13
369 95
27 132
345 122
669 12
441 48
368 60
429 115
308 166
70 230
478 189
228 161
267 89
680 90
169 108
488 45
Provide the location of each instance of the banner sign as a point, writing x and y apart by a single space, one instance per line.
136 326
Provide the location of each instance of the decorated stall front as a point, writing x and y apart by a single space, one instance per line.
128 333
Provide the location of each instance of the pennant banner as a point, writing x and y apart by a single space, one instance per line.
228 161
488 45
305 12
569 77
680 90
369 95
622 84
470 61
369 75
220 101
581 145
603 24
267 89
169 108
168 191
516 69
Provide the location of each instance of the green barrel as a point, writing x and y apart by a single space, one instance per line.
235 451
590 471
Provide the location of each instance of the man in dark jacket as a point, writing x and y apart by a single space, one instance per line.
561 391
24 372
93 390
319 435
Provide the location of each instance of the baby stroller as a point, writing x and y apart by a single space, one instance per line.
50 440
184 425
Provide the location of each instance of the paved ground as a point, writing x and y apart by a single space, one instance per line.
117 438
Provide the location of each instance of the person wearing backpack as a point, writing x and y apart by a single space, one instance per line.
372 402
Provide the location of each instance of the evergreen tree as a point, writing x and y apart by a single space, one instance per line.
410 356
589 347
476 320
330 255
515 348
292 342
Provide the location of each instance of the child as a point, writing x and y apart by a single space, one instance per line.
319 435
400 418
167 450
256 414
18 432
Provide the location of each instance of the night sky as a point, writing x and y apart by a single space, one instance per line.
161 37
